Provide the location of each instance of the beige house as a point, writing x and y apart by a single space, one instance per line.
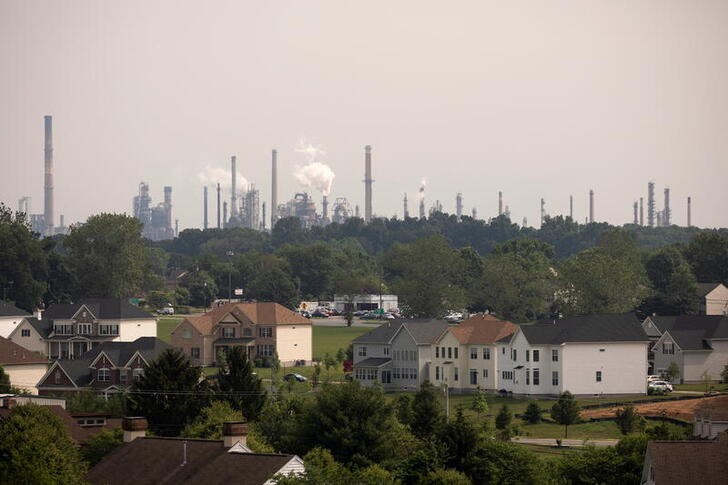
10 318
25 368
713 298
31 334
265 329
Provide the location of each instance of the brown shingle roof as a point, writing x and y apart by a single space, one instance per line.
78 433
715 408
12 354
265 313
482 329
159 461
680 462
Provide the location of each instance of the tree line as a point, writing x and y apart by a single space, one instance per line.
433 265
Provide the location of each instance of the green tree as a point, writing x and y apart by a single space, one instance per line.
240 385
460 440
626 419
201 288
503 418
313 266
101 445
533 413
208 424
673 371
496 462
707 254
724 374
565 411
35 448
445 477
357 424
23 263
107 256
170 393
608 465
480 403
427 413
4 381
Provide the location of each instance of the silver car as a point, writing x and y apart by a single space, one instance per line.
661 385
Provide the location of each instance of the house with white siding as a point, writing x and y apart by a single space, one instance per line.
713 298
586 355
698 344
467 355
23 367
10 318
398 354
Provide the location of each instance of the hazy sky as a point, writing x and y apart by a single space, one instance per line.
537 99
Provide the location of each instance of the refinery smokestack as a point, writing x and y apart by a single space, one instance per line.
204 208
591 206
218 206
168 210
406 209
224 213
474 213
233 195
48 176
325 210
274 189
634 207
651 204
543 210
368 183
642 212
500 203
666 213
571 207
459 206
689 208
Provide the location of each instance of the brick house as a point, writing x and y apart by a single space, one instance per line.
263 328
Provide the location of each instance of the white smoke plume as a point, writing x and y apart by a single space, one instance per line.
213 175
421 192
315 174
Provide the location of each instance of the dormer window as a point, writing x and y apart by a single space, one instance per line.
228 332
104 375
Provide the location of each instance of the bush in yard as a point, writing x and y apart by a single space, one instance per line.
533 413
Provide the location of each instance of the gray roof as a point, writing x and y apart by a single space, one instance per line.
9 310
43 327
102 308
621 327
705 288
692 332
424 331
374 362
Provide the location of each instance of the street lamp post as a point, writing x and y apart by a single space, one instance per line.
230 273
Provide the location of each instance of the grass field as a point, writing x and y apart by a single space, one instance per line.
701 387
165 327
331 339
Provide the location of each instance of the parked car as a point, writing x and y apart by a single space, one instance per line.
453 317
167 310
660 385
294 377
320 314
653 378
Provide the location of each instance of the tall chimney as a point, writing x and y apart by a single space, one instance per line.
234 432
356 211
666 211
459 206
571 207
48 176
634 207
262 220
168 208
325 208
134 427
406 210
474 213
233 195
368 183
689 209
500 203
218 206
651 204
591 206
224 213
642 212
204 208
274 190
543 210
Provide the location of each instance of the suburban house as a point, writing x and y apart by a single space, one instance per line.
265 329
10 317
107 368
713 298
711 418
593 354
698 344
467 355
397 354
24 367
142 459
67 331
680 462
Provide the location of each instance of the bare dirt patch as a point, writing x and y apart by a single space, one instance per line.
682 410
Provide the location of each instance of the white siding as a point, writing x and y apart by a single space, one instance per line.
449 343
623 368
695 363
295 466
32 342
716 302
8 324
26 376
130 330
294 342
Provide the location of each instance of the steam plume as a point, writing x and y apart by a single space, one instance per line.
315 174
214 175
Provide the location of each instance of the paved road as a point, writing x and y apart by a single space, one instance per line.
569 443
341 322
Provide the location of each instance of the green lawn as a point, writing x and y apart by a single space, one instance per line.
331 339
700 387
549 452
165 327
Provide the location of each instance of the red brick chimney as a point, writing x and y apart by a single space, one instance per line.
234 432
134 427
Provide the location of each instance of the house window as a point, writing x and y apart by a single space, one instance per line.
473 377
437 372
265 332
137 374
601 350
668 348
456 352
228 332
186 333
57 377
442 352
386 350
473 353
449 352
536 355
25 332
485 373
265 351
528 377
504 350
84 328
555 355
437 352
599 376
455 374
554 378
195 352
63 329
507 375
515 355
528 355
536 377
123 377
486 353
109 329
247 332
413 355
104 375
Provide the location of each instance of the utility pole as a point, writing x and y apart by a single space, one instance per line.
230 275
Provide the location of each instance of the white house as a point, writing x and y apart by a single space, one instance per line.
594 354
713 298
10 318
698 344
25 368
